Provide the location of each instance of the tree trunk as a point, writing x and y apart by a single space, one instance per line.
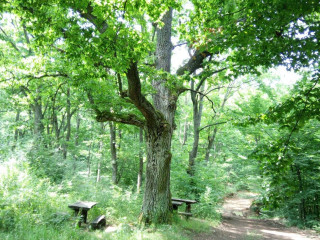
16 131
114 160
38 116
89 160
157 198
197 114
140 171
78 129
101 152
302 204
65 145
211 139
185 132
157 205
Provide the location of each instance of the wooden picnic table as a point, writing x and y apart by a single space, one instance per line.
176 202
82 208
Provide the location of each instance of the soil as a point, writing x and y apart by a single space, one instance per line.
238 223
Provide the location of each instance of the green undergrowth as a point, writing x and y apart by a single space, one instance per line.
32 208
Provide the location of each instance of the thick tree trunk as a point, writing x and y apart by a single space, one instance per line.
157 205
157 198
114 160
140 171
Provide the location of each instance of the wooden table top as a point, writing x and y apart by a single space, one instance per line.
82 204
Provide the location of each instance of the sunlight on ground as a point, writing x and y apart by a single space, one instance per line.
293 236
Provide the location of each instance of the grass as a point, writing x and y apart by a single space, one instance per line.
34 209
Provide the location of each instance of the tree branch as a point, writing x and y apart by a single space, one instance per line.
134 93
104 116
202 94
208 75
179 44
194 63
213 124
120 118
100 25
10 41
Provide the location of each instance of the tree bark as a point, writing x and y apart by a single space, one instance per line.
157 205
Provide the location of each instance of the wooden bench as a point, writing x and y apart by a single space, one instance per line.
82 208
99 222
176 202
175 205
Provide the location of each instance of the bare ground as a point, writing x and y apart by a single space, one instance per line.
237 224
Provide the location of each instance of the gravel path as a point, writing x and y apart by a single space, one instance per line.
237 226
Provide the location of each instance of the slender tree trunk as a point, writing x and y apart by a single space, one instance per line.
140 171
185 132
38 116
101 152
184 135
89 160
114 160
65 145
98 171
55 124
211 139
197 114
302 205
16 131
78 129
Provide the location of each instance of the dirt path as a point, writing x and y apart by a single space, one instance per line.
237 225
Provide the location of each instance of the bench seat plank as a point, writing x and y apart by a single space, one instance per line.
177 203
99 222
184 200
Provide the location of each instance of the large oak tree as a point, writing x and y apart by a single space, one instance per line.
119 54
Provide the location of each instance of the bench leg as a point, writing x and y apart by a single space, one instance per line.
83 215
188 210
